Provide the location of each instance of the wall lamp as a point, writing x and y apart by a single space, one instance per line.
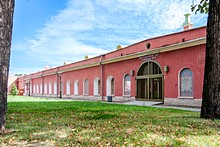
132 72
166 68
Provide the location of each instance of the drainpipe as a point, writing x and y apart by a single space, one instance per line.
42 84
60 86
101 71
57 77
30 85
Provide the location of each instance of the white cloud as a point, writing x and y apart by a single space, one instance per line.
94 27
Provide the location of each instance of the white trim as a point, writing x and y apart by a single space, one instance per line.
172 47
50 88
41 91
85 87
179 87
55 88
68 87
37 89
45 88
34 89
96 87
76 87
108 86
186 97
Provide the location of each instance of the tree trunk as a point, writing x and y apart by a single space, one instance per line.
6 23
211 88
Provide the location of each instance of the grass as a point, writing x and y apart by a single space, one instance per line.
30 99
75 123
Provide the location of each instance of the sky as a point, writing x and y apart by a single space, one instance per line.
51 32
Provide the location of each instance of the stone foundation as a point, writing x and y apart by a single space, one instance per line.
90 98
183 102
167 101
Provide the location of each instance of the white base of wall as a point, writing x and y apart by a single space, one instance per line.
167 101
120 99
183 102
99 98
92 98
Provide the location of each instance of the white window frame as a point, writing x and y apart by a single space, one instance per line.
34 89
37 89
76 87
109 87
41 89
45 88
50 88
125 85
68 88
96 87
55 88
179 85
84 88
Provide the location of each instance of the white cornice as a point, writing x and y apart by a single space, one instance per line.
167 48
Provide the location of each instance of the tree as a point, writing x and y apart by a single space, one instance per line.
14 90
211 86
6 23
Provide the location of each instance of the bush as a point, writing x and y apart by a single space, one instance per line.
14 90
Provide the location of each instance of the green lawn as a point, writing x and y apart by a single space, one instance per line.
75 123
30 99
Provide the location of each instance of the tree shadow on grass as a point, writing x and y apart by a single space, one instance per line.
100 116
7 132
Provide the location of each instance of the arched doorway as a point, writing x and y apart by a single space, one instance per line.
149 82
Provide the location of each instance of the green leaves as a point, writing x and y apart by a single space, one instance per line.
14 90
202 7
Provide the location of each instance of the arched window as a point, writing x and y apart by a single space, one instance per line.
45 88
110 87
50 88
68 88
41 89
149 68
186 83
34 89
76 87
127 85
97 86
55 88
37 89
86 87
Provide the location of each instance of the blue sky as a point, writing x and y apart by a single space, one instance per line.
51 32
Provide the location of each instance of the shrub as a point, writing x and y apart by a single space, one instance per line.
14 90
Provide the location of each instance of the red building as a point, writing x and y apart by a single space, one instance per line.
167 68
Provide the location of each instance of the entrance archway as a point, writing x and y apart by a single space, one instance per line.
149 82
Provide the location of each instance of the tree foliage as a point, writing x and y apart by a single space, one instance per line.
14 90
202 7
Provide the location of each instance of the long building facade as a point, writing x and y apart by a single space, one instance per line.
167 68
